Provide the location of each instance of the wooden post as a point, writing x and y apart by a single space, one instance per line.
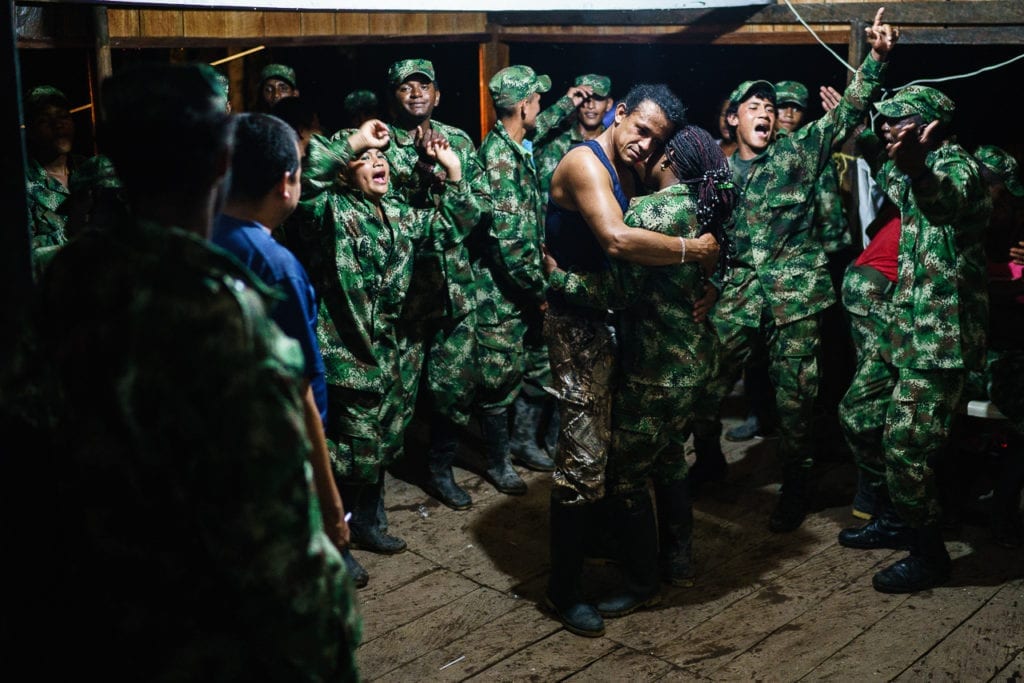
236 83
101 67
493 58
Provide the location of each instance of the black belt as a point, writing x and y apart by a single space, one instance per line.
875 277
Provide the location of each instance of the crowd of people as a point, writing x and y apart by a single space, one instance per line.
227 348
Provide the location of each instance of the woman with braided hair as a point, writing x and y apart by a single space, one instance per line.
668 351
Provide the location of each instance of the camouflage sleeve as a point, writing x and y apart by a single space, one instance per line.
945 194
461 211
549 121
325 159
836 125
599 290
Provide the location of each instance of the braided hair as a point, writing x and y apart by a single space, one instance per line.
696 159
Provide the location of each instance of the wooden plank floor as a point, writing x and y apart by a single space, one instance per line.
462 602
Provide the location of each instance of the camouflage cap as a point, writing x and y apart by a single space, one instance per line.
285 73
1002 165
931 104
602 85
791 91
42 96
515 83
359 100
400 71
743 90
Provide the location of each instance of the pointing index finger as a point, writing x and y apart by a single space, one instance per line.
878 18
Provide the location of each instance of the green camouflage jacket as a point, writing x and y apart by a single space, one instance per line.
506 257
940 304
830 222
362 266
660 343
780 264
559 134
443 281
185 457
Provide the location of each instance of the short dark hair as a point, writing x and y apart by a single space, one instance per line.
164 127
659 94
264 151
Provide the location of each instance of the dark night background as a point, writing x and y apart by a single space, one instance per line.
701 74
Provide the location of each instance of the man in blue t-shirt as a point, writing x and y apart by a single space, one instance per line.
264 191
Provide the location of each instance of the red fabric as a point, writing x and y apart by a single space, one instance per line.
882 251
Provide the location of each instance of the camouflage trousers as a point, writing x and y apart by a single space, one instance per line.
896 421
536 370
582 352
500 362
356 441
439 355
865 296
650 425
792 351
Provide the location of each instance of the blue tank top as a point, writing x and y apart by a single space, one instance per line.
568 237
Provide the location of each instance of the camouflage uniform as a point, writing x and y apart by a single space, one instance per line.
665 356
184 457
510 282
362 271
780 282
46 196
438 323
563 132
939 315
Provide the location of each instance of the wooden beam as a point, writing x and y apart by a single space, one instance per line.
962 12
493 57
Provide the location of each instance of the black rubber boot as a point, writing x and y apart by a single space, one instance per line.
886 530
790 511
355 570
525 430
564 595
710 464
927 566
499 470
675 532
638 542
440 483
369 524
866 501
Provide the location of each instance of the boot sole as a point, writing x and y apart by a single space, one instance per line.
447 503
376 549
613 614
533 467
553 611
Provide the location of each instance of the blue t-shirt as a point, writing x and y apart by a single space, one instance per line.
252 244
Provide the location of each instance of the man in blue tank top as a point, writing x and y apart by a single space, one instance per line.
590 191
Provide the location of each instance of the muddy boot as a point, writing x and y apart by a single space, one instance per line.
927 566
710 464
638 541
499 470
525 428
440 482
866 500
564 595
369 524
794 500
675 532
886 530
355 570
